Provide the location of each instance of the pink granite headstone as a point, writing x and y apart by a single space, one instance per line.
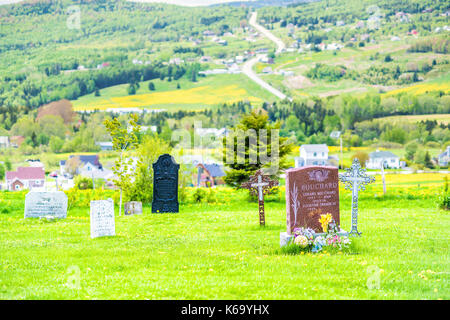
310 192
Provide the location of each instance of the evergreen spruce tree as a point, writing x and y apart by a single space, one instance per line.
237 173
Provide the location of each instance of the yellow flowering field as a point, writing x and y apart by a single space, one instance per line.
422 88
204 95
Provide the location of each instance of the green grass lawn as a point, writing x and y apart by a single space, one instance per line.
218 251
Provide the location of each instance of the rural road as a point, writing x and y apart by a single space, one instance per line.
247 68
280 44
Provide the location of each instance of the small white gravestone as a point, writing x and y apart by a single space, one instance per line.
45 204
102 218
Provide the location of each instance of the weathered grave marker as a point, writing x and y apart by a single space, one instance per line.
45 204
133 207
165 184
102 218
311 192
355 179
259 185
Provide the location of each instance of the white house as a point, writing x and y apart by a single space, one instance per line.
35 163
312 155
4 142
105 145
444 157
387 158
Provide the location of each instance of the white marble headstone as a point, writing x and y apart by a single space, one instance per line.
40 204
102 218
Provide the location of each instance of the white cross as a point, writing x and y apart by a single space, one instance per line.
260 186
356 179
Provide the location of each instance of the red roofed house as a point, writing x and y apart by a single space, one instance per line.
31 178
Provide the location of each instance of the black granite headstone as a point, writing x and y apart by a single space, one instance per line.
165 184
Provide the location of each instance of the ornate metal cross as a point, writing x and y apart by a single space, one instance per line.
259 185
355 179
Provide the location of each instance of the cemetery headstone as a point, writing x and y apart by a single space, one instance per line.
165 185
102 218
259 185
310 192
133 207
355 179
39 204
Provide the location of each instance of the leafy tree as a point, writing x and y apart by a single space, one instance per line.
411 149
52 125
8 165
2 172
427 160
241 166
62 108
123 141
148 152
72 165
56 144
362 157
131 89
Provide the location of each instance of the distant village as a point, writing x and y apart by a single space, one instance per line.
206 171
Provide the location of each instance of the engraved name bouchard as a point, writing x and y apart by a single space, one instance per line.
315 186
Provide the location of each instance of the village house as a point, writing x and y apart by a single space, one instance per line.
312 155
31 178
16 141
4 142
202 132
444 157
105 145
88 163
387 158
35 163
208 33
103 65
204 59
209 175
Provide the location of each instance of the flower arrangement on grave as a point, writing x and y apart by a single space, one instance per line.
308 240
325 220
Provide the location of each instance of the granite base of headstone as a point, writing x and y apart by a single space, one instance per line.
133 207
102 218
286 238
45 204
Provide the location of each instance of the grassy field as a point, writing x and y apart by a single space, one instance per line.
358 59
218 251
205 93
440 118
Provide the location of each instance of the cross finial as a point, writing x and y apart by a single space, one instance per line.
260 184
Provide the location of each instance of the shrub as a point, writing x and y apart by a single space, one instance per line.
362 157
444 199
83 183
199 195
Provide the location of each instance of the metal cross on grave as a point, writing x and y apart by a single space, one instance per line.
355 179
259 185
